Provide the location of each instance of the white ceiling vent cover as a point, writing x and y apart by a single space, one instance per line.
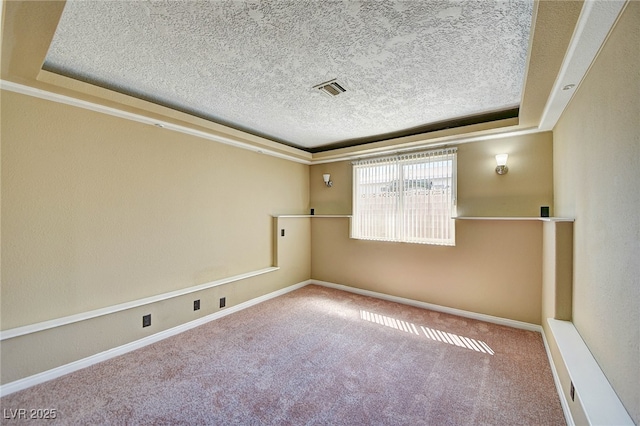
330 88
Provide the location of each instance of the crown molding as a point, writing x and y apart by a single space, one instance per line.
79 103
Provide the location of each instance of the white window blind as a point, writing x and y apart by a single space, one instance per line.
407 198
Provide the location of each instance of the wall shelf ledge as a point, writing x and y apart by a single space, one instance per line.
543 219
312 215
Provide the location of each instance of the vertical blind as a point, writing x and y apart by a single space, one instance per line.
407 198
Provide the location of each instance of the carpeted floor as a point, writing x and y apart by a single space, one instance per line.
316 356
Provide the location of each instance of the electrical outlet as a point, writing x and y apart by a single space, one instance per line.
146 320
572 392
282 232
196 305
223 302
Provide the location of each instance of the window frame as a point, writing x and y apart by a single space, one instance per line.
400 221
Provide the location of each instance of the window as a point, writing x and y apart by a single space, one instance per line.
408 198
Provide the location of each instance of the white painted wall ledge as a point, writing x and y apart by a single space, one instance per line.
120 350
599 401
54 373
311 215
45 325
543 219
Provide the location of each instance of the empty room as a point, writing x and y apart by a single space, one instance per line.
320 212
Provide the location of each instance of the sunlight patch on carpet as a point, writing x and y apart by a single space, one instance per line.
430 333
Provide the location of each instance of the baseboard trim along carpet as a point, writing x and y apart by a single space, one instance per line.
54 373
482 317
316 355
466 314
111 353
438 308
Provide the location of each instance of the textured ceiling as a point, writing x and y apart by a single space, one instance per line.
253 65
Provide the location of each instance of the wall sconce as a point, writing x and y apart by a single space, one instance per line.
502 168
326 177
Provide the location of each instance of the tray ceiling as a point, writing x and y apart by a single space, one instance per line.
257 66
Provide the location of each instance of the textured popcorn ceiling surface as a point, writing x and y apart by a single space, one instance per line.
252 65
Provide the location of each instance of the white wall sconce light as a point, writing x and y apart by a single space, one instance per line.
327 180
501 160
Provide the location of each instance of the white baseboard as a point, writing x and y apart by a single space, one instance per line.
111 353
466 314
54 373
432 307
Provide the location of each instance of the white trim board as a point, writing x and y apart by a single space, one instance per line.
57 322
311 215
438 308
514 218
54 373
599 401
427 143
67 100
556 380
472 315
596 20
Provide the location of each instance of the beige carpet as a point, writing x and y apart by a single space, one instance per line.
316 356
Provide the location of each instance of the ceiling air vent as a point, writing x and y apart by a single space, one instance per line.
330 88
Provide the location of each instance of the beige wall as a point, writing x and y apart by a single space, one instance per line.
98 211
481 191
597 172
557 282
495 267
527 186
557 270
